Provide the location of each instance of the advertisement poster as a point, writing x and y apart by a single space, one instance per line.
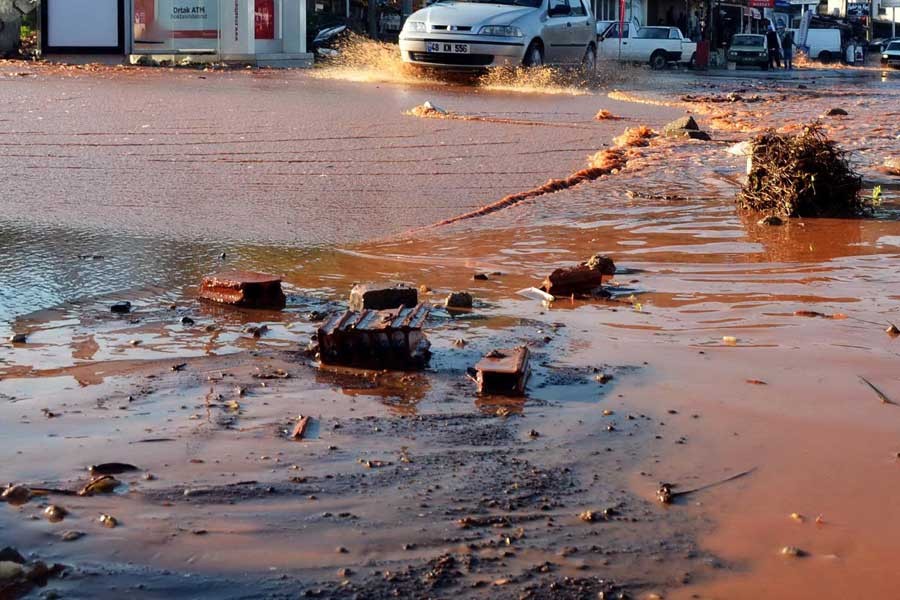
162 19
265 19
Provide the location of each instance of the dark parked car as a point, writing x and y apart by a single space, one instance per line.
749 49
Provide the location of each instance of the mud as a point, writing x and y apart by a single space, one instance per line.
410 484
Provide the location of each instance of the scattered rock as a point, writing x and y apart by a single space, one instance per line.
792 551
771 220
187 321
459 300
685 127
10 554
10 570
588 516
71 536
18 338
836 112
892 330
892 166
480 277
16 495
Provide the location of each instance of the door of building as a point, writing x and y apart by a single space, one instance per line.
267 26
83 26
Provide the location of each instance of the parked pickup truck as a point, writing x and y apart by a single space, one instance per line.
657 46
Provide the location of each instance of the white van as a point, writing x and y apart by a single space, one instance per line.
824 44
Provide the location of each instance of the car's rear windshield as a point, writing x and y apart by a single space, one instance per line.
747 40
893 46
653 33
531 3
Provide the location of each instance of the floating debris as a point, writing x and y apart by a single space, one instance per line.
371 297
103 484
585 278
112 468
300 428
503 372
666 492
246 289
804 175
121 307
881 396
376 339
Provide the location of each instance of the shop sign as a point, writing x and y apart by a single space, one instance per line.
762 3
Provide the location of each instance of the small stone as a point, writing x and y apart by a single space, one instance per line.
480 277
108 521
18 338
792 551
55 513
71 536
341 550
836 112
187 321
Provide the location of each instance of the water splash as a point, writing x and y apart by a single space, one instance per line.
361 59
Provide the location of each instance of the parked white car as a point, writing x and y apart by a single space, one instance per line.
890 56
462 35
657 46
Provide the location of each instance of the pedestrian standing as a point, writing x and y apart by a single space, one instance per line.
772 42
787 48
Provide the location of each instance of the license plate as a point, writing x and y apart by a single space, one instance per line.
447 47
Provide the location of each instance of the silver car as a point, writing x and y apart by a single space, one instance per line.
462 35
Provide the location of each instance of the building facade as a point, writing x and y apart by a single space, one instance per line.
256 31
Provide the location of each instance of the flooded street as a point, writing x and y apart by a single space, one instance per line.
726 345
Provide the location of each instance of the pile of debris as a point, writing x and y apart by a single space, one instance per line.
803 175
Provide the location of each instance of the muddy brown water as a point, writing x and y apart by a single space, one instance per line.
693 273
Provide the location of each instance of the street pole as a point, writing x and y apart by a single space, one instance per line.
894 21
373 19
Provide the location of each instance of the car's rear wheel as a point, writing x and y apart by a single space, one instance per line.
693 62
534 55
589 61
658 60
825 56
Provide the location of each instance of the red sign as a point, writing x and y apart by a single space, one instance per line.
762 3
265 19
